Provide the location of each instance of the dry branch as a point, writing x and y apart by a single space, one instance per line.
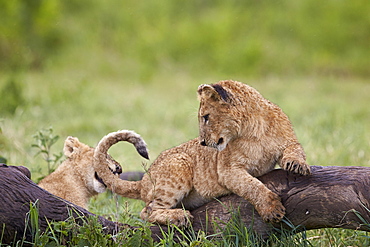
328 198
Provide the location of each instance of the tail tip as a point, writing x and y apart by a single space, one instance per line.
143 152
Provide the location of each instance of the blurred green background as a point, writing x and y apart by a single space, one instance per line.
241 38
89 67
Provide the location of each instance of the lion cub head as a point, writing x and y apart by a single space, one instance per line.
80 158
76 179
216 125
231 109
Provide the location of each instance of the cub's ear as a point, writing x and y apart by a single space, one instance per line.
71 145
206 92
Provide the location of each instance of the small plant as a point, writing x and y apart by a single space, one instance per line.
45 139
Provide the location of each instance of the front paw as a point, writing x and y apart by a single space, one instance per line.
271 209
295 165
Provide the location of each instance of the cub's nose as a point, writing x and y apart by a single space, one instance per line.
203 143
118 169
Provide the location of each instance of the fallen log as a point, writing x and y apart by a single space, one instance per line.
330 197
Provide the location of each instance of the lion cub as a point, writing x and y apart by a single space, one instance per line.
242 136
75 180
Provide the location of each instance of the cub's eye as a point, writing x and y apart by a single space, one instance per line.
206 118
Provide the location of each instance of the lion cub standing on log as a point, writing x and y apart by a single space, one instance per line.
75 180
242 136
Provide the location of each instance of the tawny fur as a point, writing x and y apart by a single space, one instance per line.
242 135
75 179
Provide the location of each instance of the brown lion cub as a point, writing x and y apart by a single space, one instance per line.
242 136
75 180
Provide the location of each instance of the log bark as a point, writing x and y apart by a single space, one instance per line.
330 197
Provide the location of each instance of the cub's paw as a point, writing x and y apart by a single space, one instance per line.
295 165
271 210
178 217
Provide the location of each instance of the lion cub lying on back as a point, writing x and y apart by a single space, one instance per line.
242 136
75 180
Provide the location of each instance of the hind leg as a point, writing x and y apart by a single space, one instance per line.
169 183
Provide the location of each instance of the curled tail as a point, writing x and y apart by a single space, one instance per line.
124 188
122 135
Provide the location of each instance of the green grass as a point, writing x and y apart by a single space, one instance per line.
87 68
330 115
